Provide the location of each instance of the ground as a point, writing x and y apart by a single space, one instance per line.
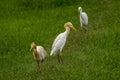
91 56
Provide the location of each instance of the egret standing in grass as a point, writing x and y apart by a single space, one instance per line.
83 19
60 41
39 53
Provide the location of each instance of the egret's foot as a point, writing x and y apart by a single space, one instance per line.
42 60
85 30
40 69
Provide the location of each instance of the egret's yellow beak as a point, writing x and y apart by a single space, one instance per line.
73 28
30 49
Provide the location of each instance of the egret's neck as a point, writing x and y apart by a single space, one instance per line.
36 53
80 12
67 31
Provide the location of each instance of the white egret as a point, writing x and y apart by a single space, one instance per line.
39 53
60 41
83 19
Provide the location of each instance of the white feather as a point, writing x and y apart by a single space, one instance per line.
60 40
58 43
83 17
41 53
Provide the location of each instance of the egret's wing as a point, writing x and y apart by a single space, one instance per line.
84 18
41 52
39 49
58 43
56 39
45 52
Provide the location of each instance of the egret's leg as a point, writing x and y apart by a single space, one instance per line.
85 29
81 26
58 58
38 62
42 60
61 61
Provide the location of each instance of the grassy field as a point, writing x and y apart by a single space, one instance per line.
91 56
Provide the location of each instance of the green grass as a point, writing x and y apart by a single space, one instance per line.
91 56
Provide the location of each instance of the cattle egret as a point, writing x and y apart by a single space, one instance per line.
83 19
39 53
60 41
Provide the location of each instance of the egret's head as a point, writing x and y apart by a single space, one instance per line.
33 45
69 24
79 8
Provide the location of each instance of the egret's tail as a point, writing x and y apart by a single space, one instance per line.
53 51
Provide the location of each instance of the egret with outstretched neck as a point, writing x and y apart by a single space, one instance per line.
60 41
